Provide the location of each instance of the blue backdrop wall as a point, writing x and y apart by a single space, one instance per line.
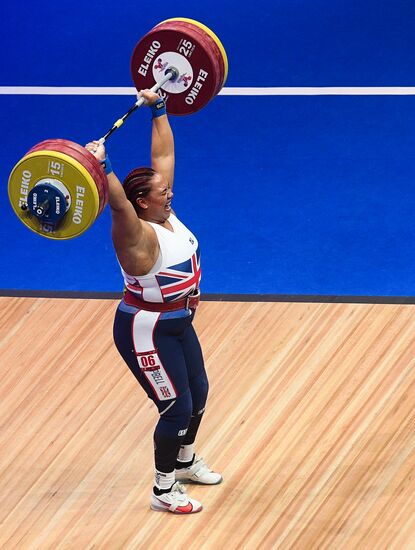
287 194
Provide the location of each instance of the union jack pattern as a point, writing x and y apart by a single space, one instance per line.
177 271
178 281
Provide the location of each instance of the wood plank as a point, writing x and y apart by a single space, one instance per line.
310 419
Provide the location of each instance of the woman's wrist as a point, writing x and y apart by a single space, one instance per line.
158 108
106 164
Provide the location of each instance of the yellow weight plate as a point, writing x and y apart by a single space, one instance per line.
41 165
212 35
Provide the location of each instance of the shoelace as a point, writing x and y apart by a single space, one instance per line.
201 466
178 488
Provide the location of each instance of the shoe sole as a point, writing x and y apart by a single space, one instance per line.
192 482
160 509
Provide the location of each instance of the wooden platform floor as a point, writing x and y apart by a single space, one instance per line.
311 420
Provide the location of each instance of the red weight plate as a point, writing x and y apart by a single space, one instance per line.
83 156
89 157
165 48
212 35
184 49
77 153
216 51
95 170
205 39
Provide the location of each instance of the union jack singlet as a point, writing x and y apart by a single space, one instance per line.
176 273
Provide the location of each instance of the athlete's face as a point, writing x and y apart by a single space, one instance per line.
158 200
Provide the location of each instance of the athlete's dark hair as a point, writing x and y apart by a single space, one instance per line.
138 184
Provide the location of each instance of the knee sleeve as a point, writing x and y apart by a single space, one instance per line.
175 416
199 387
171 430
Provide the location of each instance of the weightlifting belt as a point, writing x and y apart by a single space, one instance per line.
191 302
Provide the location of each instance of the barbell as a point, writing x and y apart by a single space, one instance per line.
58 189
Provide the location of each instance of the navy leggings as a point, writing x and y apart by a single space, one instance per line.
164 354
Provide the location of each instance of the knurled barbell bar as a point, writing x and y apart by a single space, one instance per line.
58 189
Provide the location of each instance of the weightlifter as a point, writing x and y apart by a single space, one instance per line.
160 264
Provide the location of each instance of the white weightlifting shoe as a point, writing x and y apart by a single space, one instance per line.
198 472
175 501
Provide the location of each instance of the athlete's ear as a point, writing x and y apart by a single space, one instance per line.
142 203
